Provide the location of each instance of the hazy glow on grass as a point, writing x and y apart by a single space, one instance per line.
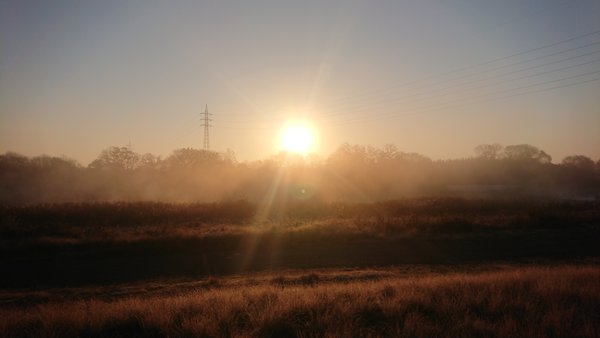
297 138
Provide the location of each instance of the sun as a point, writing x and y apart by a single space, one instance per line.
297 138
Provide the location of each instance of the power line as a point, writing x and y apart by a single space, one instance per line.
357 107
420 96
459 70
481 98
441 92
502 58
399 84
396 115
339 111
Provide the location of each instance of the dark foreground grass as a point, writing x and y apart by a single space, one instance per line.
560 301
84 223
77 244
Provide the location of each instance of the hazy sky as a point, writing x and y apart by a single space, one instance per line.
434 77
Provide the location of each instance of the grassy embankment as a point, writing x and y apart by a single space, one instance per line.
81 244
513 301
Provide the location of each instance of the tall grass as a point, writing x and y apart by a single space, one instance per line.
518 302
103 243
115 222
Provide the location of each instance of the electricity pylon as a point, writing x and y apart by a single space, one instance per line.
206 125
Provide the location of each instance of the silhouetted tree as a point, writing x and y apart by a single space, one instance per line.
348 156
149 162
351 173
288 159
414 158
229 156
16 177
389 152
116 158
526 152
13 161
189 157
45 162
488 151
579 162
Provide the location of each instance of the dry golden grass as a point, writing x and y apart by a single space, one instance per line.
517 301
78 244
81 223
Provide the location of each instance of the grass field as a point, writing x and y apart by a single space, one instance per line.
80 244
420 267
556 301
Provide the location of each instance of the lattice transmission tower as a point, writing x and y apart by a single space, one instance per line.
206 126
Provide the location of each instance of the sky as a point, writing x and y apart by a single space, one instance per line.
432 77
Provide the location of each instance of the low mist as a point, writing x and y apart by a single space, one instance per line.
353 173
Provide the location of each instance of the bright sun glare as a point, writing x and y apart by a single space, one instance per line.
297 138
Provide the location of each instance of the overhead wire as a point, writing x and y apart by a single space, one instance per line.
345 99
479 99
483 79
360 107
484 63
346 111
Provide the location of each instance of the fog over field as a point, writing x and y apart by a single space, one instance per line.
272 168
353 173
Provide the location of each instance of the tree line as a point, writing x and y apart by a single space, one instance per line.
353 173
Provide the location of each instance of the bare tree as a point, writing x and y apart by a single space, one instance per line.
488 151
526 152
189 157
116 158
